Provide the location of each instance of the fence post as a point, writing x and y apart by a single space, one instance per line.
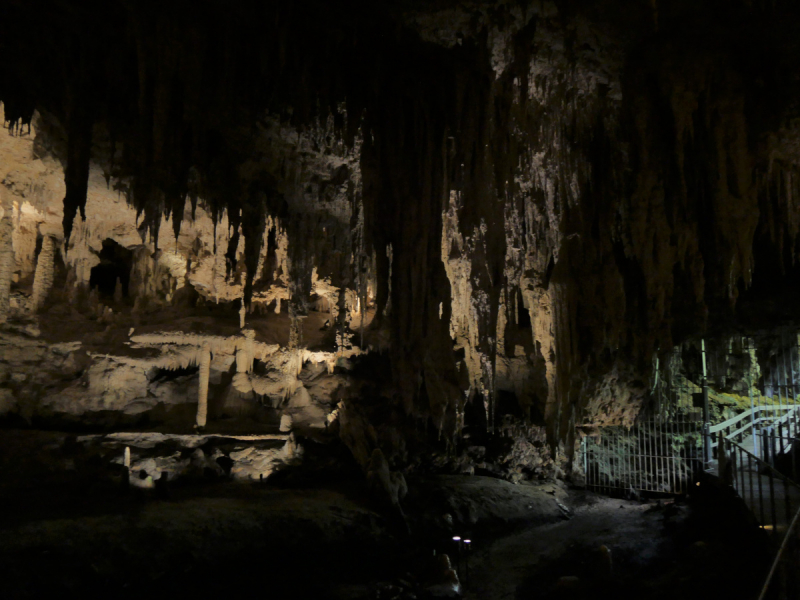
752 413
706 424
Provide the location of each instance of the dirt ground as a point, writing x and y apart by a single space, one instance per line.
67 532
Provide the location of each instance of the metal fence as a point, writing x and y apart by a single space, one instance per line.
774 499
756 450
656 455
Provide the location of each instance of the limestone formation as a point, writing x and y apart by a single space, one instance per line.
43 278
6 264
511 232
202 391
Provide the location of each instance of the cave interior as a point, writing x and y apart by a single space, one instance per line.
397 299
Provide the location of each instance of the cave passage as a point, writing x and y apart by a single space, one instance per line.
116 263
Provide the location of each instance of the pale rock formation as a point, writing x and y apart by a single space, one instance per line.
307 416
43 278
202 392
6 263
254 463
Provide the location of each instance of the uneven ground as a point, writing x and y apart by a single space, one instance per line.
656 551
67 530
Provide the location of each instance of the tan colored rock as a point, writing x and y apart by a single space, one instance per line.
202 393
6 264
43 278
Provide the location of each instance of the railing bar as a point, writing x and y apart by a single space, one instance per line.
643 452
773 400
663 477
676 451
639 454
609 466
752 411
656 457
739 473
772 500
615 450
775 562
612 458
750 477
684 454
667 485
760 495
780 396
607 460
649 454
654 450
673 485
603 460
627 464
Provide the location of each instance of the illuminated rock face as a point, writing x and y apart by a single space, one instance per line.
512 210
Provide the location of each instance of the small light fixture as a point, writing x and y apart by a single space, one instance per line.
467 541
456 538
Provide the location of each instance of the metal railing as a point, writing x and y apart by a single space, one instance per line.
783 582
760 421
656 455
774 499
769 494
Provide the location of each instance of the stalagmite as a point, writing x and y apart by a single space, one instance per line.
126 461
202 394
43 278
6 264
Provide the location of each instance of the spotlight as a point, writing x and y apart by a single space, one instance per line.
456 538
467 541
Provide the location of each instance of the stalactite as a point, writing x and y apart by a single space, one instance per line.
76 171
43 278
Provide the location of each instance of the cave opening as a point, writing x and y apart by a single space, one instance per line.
166 375
116 263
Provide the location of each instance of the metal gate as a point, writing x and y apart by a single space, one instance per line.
656 455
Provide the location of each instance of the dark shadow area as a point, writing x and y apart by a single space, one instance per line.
115 264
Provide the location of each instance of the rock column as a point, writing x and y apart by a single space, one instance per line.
202 395
6 263
43 277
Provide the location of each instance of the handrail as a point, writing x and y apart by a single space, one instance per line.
733 420
777 473
777 560
729 422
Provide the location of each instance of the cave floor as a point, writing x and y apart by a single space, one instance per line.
70 532
613 548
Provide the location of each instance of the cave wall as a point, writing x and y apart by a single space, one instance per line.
510 200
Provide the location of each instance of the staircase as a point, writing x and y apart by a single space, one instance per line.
748 449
